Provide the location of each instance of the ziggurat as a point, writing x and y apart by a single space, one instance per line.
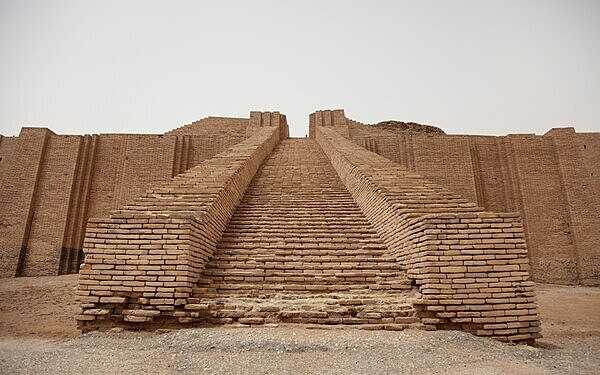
230 221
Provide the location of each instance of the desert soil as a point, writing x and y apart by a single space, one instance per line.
38 335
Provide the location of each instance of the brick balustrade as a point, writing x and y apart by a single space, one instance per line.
143 261
471 266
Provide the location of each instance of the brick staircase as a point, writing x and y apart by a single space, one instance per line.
317 231
299 250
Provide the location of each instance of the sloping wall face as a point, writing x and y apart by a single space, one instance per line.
51 184
471 266
551 180
144 259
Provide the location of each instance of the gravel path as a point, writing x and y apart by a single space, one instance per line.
292 350
571 343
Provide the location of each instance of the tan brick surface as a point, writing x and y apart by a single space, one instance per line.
436 235
50 185
148 254
331 230
552 180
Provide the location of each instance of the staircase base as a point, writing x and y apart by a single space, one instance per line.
372 311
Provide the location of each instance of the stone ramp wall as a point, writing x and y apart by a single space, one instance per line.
142 262
471 266
551 179
51 184
473 272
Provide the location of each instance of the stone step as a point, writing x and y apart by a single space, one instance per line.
297 256
260 288
296 229
323 218
303 263
299 250
310 254
303 245
318 285
247 290
307 243
301 276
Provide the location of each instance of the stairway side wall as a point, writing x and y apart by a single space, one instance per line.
51 184
143 261
552 180
471 267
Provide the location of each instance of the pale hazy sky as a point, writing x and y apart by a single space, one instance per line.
477 67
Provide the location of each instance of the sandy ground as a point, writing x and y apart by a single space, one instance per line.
38 335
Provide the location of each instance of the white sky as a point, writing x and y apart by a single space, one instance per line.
475 67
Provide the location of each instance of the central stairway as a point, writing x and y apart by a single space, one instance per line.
299 250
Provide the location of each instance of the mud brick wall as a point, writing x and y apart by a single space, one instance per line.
205 138
260 119
125 166
385 191
209 126
50 206
471 266
19 181
51 184
578 162
473 272
143 260
329 118
424 154
552 180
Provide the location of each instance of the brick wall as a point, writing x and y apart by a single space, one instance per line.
330 118
581 187
18 196
473 272
471 266
51 184
424 153
491 182
71 255
125 166
536 191
142 262
259 119
552 180
207 137
50 207
221 126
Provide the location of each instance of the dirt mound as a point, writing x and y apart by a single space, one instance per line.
413 127
38 306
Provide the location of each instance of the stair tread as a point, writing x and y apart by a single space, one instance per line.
299 230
